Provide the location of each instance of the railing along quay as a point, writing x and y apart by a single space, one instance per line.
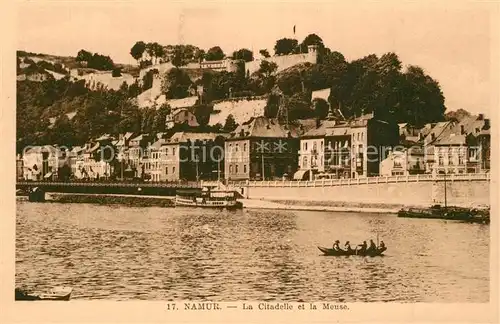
108 184
370 180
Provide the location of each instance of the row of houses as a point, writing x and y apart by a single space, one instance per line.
263 148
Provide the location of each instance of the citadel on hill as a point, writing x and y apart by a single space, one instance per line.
303 113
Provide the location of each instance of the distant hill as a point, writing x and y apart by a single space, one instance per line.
70 62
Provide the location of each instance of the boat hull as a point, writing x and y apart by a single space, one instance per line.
209 204
332 252
62 294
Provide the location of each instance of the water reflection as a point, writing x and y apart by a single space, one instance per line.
166 254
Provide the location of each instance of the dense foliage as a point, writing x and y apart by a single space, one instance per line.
95 61
368 84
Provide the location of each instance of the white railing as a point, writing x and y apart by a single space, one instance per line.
368 180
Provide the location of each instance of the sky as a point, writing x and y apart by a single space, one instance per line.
451 41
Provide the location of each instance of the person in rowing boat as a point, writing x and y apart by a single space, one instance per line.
347 247
336 246
363 248
372 247
382 245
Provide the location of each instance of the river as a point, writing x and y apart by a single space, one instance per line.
124 253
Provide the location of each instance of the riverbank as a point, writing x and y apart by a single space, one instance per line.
112 199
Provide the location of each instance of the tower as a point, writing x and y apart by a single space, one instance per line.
312 53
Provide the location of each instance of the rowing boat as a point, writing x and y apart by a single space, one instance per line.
332 252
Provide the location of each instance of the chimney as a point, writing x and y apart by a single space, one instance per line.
480 117
462 129
317 122
486 124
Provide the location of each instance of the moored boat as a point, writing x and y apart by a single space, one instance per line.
470 215
208 197
332 252
58 293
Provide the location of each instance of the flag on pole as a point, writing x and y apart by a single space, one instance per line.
294 29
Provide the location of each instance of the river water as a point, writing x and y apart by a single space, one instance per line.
122 253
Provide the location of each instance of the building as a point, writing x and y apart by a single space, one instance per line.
19 167
431 133
261 149
181 116
404 161
190 156
154 164
463 147
371 140
325 149
36 162
136 150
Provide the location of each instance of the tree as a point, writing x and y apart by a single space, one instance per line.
285 46
83 56
264 78
161 117
199 55
243 54
230 124
178 58
321 108
214 54
117 72
311 39
138 50
175 84
457 115
298 107
272 106
159 51
264 53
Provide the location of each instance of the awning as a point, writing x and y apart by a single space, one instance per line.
48 175
301 174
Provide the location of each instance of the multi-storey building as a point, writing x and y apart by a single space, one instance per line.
192 156
261 149
325 149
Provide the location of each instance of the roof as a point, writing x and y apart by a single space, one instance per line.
264 127
77 149
158 143
40 149
452 139
329 128
139 138
457 132
182 137
104 137
182 103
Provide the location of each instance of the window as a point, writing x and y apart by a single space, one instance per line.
230 169
322 145
441 160
305 146
236 148
236 167
186 113
166 170
173 150
245 148
173 169
166 151
305 162
245 168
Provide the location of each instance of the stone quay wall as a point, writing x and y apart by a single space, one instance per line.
425 193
